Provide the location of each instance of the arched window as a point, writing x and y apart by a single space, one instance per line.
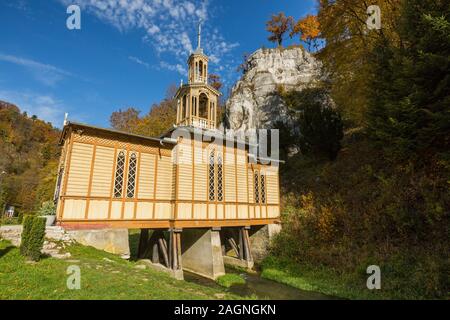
200 67
183 108
263 188
211 180
203 106
131 181
120 171
256 182
219 177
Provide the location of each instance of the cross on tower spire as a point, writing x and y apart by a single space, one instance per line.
199 36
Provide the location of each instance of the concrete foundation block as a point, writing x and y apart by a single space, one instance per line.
260 240
202 252
177 274
110 240
235 262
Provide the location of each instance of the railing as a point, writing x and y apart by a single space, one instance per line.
198 122
200 79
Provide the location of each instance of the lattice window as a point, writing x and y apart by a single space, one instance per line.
219 177
212 189
120 171
131 181
263 188
256 182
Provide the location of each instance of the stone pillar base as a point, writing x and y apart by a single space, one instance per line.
110 240
202 252
235 262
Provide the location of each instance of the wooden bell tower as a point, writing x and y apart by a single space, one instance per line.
197 100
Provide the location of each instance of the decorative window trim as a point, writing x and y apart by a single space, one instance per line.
263 188
256 186
211 176
119 175
131 179
219 177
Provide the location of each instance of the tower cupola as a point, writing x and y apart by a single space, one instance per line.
197 100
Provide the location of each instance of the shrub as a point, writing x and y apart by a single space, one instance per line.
33 235
48 208
20 217
36 240
27 225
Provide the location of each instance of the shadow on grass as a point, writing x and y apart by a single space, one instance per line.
5 251
133 240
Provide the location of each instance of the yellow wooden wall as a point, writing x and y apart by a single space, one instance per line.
90 181
165 189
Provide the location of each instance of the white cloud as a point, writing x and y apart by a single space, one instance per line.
139 61
169 25
45 73
173 67
44 106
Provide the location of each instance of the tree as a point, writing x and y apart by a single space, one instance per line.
309 30
409 97
348 47
161 118
124 120
321 128
244 66
214 81
278 25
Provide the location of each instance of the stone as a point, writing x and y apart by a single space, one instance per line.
260 240
202 252
140 266
253 102
110 240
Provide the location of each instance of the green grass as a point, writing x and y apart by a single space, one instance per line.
103 276
316 279
230 279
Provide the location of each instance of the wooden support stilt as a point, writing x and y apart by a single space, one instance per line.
234 246
163 247
248 251
143 243
155 252
241 245
170 250
178 234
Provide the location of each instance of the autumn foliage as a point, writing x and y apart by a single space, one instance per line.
277 26
309 30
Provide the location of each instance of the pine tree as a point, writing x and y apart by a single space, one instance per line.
409 102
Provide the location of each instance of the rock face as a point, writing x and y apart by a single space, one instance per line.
254 102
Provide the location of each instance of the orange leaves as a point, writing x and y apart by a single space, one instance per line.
278 26
308 28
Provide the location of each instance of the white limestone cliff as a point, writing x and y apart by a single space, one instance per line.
254 102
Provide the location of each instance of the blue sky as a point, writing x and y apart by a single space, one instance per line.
127 52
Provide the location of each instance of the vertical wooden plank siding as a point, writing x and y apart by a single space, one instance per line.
136 188
154 183
91 173
176 185
207 178
246 174
235 182
66 174
113 176
193 177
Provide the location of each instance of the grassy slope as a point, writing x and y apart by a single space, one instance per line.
317 279
103 276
